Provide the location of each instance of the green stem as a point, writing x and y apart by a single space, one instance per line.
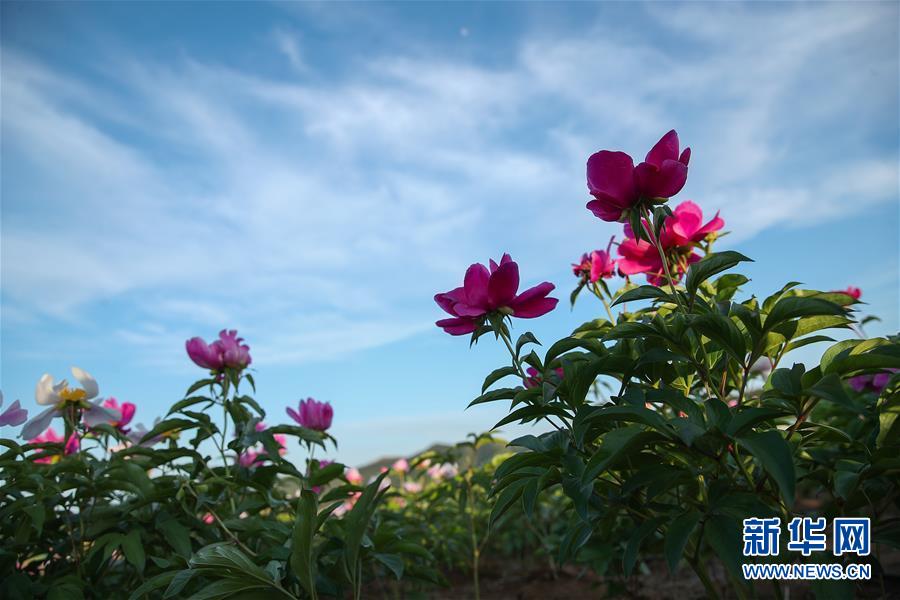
520 372
599 293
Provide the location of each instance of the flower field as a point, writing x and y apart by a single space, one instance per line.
660 428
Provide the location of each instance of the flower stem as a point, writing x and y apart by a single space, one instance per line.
519 371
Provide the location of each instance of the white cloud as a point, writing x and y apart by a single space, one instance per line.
320 214
289 45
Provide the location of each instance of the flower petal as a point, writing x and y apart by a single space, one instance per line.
665 149
612 174
532 302
14 415
88 383
503 285
95 415
476 285
662 181
45 393
458 326
605 208
38 424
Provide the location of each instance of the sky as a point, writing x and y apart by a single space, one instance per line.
312 174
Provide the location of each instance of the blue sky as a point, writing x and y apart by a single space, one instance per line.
311 174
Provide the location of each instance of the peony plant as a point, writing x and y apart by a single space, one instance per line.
706 422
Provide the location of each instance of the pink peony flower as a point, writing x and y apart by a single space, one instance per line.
208 519
235 354
208 356
354 476
312 414
685 227
248 458
227 351
681 233
125 409
14 415
535 378
412 487
485 291
597 265
48 437
71 446
853 292
617 185
401 465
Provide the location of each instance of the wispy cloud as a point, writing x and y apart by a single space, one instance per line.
317 212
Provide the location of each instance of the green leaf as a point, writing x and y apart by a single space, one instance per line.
723 332
169 426
750 417
723 534
392 561
134 549
496 375
152 584
494 395
677 536
774 454
356 522
629 558
199 384
506 499
617 444
711 265
831 389
180 580
792 307
188 402
525 338
175 534
644 292
303 559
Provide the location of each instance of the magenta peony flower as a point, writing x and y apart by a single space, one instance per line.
535 378
235 354
14 415
487 291
227 351
664 172
73 444
853 292
312 414
126 410
685 227
872 382
617 185
208 356
611 181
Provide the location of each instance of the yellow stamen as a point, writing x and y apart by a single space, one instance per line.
72 395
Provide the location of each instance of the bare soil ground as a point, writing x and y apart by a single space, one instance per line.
511 581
